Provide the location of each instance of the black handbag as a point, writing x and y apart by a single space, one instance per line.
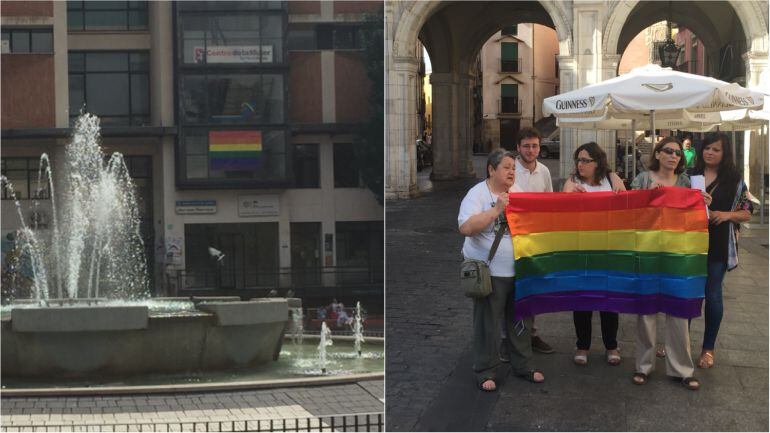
475 279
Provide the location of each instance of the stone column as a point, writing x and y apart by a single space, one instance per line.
753 140
463 153
567 136
606 138
401 126
444 126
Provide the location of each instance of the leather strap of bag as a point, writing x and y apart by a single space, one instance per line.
496 243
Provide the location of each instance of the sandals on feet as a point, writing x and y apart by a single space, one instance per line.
660 352
488 388
706 359
639 378
613 357
530 376
581 357
691 383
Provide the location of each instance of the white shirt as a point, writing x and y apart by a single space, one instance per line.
604 185
477 200
536 181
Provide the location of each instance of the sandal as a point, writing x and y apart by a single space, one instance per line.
581 357
639 378
690 383
491 388
660 352
613 357
530 376
706 359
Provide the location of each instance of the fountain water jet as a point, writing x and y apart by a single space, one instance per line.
325 340
358 330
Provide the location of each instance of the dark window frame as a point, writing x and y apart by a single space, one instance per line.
297 160
342 181
330 35
128 71
73 9
11 32
32 169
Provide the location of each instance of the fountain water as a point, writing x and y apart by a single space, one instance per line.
298 328
95 247
358 330
325 340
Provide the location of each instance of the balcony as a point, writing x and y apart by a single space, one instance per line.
509 106
510 66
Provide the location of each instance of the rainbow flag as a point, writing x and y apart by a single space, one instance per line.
234 150
637 252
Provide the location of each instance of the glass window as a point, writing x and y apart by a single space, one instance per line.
6 39
232 39
233 98
112 85
42 41
106 15
511 30
22 174
20 41
346 173
359 244
306 166
265 161
302 37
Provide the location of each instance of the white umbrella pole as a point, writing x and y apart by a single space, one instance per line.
734 144
633 147
652 128
625 157
762 177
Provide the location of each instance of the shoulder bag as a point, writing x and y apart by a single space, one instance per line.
475 279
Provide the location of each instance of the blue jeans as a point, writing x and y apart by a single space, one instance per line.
714 307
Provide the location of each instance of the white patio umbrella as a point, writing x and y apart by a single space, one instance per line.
652 90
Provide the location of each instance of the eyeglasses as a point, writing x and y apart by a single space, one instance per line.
584 160
671 151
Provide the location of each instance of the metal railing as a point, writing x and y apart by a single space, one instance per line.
281 278
509 106
512 66
341 423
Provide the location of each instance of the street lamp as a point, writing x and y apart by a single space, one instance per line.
668 52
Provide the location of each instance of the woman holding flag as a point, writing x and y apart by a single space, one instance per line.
667 166
592 174
481 216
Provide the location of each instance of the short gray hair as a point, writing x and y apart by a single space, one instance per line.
496 156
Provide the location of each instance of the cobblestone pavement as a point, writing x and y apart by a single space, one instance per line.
302 402
429 381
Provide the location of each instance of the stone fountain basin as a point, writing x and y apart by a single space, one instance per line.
102 341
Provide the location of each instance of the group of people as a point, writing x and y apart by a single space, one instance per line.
496 338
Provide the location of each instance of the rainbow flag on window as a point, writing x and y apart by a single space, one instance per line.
637 252
234 150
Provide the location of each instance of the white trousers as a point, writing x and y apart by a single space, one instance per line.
678 356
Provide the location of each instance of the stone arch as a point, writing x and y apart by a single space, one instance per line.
750 15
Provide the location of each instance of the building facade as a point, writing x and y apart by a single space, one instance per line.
239 122
518 69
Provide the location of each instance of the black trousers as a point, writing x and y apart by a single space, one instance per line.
609 322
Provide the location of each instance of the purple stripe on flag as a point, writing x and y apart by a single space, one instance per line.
233 164
607 301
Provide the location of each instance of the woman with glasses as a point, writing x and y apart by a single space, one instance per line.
592 174
730 207
667 166
482 214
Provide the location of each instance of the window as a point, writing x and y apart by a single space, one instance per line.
509 57
27 41
22 174
306 166
311 37
113 85
233 98
511 30
359 244
232 39
509 98
346 173
260 157
106 15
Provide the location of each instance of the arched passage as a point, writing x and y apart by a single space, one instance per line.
453 33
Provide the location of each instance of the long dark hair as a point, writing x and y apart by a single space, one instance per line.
727 172
655 164
598 155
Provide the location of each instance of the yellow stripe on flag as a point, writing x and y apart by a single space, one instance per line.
651 241
235 147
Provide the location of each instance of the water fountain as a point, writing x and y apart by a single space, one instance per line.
324 340
298 328
90 314
358 330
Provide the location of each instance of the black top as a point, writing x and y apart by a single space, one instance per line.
723 196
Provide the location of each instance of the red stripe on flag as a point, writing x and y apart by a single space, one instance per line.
668 197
